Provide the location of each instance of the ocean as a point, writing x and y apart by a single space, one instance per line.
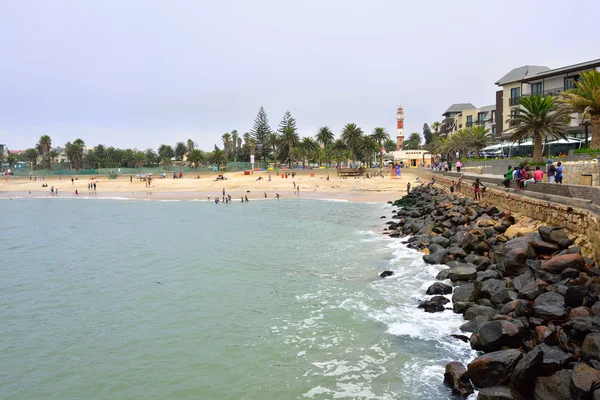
129 299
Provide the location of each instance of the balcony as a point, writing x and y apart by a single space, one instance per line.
469 124
513 123
479 122
549 92
514 101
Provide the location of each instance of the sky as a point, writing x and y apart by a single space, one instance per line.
131 73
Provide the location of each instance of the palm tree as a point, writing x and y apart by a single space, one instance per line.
289 138
339 146
234 141
75 153
217 157
380 135
138 159
196 157
190 145
367 146
272 140
44 145
226 138
352 135
478 137
539 117
389 145
436 127
325 137
308 146
166 151
150 156
31 156
585 99
180 150
413 142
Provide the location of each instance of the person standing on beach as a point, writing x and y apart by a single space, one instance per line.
294 185
408 187
246 198
208 196
298 190
551 171
94 186
477 189
265 195
76 193
277 196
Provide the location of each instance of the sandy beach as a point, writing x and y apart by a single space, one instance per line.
198 186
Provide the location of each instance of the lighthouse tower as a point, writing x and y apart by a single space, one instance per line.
400 135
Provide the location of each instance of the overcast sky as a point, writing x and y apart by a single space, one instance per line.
140 73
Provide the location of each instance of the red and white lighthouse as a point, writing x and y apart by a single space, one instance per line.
400 134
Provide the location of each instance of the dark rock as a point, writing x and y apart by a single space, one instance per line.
492 210
457 378
469 292
550 298
493 369
527 370
485 302
435 304
550 312
436 254
531 291
555 235
514 262
590 349
569 273
579 327
575 296
543 334
584 380
443 274
439 288
496 291
580 312
462 338
554 387
440 241
473 325
499 393
521 308
553 360
385 274
457 252
558 264
476 311
494 335
542 247
465 272
489 274
459 307
522 280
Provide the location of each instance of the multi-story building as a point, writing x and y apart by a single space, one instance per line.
466 115
531 80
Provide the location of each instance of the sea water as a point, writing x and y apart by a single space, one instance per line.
179 300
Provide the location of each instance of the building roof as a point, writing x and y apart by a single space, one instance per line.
564 70
488 108
518 74
458 107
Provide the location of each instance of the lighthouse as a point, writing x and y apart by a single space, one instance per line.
400 135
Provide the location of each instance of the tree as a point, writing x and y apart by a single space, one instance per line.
217 157
180 150
478 137
191 145
427 135
260 130
436 127
287 122
352 135
308 147
380 135
539 117
274 143
338 146
196 157
31 156
289 138
325 137
585 99
413 142
139 159
368 146
226 138
389 145
11 160
166 151
234 140
44 145
75 153
151 157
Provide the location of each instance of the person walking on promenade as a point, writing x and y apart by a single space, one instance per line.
559 173
458 166
551 171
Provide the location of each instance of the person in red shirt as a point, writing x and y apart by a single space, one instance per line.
538 175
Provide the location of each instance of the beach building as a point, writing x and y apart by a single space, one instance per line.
449 122
466 115
531 80
412 158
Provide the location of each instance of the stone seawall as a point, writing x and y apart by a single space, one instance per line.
580 222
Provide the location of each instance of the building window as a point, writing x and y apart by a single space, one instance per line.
515 93
481 118
512 123
493 131
536 89
469 121
570 82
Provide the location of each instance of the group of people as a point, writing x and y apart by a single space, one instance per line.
446 166
226 198
523 175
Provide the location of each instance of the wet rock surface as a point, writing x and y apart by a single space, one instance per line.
529 298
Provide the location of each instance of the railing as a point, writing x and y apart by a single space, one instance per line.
469 124
549 92
479 122
514 101
513 123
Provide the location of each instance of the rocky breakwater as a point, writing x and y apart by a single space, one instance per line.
530 300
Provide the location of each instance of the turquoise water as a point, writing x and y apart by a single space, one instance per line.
180 300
